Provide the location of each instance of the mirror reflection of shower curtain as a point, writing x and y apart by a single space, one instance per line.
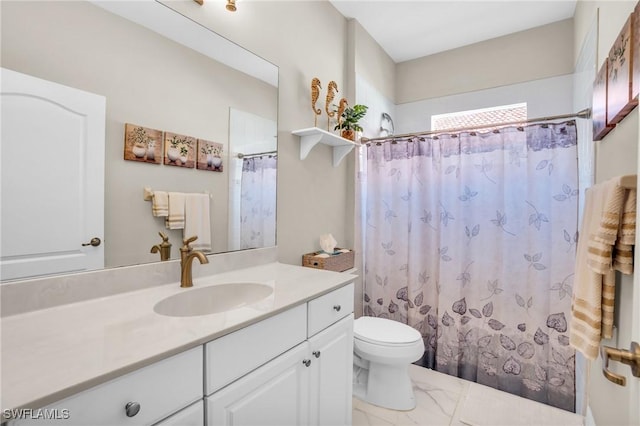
258 202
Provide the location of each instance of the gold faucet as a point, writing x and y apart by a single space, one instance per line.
164 248
187 254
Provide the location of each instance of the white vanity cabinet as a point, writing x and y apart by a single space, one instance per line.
292 368
193 415
276 394
331 374
330 333
309 384
142 397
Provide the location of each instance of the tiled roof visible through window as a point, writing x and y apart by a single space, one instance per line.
481 118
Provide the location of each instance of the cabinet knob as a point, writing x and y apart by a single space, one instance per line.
337 308
316 354
132 408
306 362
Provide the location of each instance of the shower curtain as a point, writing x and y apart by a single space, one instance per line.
470 238
258 202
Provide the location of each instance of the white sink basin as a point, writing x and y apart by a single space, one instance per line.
213 299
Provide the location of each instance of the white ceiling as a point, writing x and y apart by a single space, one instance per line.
413 29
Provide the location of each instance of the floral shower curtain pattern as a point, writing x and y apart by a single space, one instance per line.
470 238
258 202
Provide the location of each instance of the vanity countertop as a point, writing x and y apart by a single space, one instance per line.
50 354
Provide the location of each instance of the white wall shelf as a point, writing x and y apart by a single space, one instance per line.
312 136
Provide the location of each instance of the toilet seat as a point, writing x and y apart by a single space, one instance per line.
385 332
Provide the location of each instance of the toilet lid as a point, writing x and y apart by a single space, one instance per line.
384 331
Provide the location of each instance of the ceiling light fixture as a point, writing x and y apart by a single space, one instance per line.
231 5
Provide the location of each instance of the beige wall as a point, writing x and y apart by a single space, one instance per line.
615 155
534 54
147 80
305 39
371 62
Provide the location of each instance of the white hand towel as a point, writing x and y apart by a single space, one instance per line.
175 220
160 204
197 220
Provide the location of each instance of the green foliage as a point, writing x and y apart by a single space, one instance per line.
139 137
351 116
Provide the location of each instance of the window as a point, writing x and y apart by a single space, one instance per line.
479 117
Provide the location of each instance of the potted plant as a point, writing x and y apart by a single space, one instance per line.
139 140
348 121
179 149
213 155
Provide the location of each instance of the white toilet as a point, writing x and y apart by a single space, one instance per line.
383 350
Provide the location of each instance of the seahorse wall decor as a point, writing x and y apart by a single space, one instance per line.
315 94
330 95
341 107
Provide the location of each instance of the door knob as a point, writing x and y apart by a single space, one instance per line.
306 362
95 242
630 357
316 354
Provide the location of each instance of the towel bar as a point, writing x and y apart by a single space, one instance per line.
629 181
147 193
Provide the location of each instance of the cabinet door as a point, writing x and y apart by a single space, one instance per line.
274 394
193 415
331 374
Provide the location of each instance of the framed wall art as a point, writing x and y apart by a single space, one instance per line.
619 76
209 156
179 150
142 144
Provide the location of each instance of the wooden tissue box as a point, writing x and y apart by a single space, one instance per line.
337 262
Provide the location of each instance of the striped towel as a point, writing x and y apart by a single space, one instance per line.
175 220
160 204
606 245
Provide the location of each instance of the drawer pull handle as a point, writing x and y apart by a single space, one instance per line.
337 308
306 362
132 408
316 354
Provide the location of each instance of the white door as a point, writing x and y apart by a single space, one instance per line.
331 374
634 386
276 394
52 172
613 404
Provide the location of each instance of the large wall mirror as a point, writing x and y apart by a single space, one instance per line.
158 69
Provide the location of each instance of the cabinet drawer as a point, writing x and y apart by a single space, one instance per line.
327 309
234 355
160 389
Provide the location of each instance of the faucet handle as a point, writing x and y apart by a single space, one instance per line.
163 236
188 241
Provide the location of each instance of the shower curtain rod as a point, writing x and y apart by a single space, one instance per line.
585 113
257 154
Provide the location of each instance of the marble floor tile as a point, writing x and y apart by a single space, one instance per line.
447 400
510 410
364 418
